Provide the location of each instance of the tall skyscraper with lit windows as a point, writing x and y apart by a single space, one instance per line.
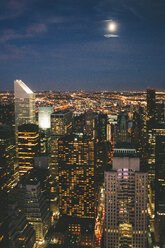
61 124
76 176
28 147
125 201
24 107
160 188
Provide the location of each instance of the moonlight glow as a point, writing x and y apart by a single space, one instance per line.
112 27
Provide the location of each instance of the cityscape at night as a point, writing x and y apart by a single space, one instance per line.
82 169
82 124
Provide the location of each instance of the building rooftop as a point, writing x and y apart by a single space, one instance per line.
23 86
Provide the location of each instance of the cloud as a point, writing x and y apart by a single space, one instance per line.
32 30
36 29
57 19
111 35
11 53
9 34
16 5
112 8
10 9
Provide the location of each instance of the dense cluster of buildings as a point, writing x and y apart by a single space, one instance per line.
82 170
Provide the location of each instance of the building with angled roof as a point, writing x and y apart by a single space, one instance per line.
24 104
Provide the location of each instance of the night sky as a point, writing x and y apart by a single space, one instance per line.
64 44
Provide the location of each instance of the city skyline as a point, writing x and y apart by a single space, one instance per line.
66 45
82 169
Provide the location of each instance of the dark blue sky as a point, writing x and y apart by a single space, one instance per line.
60 44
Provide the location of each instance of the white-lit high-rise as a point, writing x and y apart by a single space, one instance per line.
44 117
24 104
125 202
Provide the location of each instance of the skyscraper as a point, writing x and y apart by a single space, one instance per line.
28 147
44 117
89 127
160 188
24 107
7 155
24 104
125 201
76 176
101 126
3 209
44 122
61 124
151 104
160 112
31 200
20 232
122 128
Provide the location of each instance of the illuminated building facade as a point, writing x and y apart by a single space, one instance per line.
28 147
152 134
76 176
24 107
125 201
44 117
44 122
61 124
160 188
7 155
24 104
3 209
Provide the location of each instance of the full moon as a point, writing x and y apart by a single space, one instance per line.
112 26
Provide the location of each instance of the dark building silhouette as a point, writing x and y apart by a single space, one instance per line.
7 114
160 113
151 104
20 232
89 127
139 136
79 123
122 135
30 195
101 126
103 158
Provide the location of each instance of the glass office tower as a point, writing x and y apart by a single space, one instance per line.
24 104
